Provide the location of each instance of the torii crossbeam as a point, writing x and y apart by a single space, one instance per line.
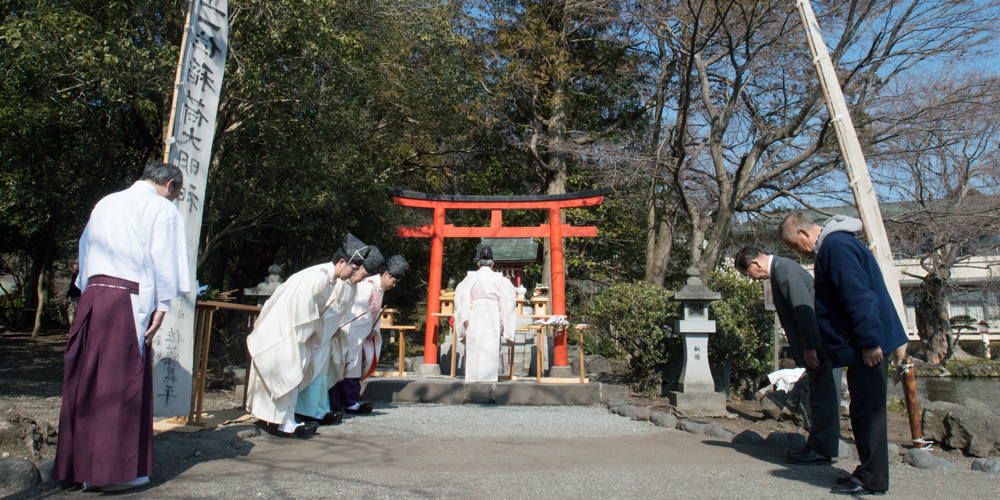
555 230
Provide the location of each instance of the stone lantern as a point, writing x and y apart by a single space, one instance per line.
696 389
267 287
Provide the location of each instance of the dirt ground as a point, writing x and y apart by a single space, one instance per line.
31 372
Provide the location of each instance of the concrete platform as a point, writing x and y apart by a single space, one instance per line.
456 392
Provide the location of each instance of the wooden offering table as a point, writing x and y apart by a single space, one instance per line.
386 322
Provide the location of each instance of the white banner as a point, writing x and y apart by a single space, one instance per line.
196 102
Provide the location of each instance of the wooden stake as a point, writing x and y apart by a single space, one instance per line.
583 371
402 350
454 342
538 352
912 403
511 373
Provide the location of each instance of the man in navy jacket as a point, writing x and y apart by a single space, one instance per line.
860 327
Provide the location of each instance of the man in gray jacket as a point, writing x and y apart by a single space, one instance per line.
792 289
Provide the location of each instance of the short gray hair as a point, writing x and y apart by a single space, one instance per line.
485 263
162 173
789 227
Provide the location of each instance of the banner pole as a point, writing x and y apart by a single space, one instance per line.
168 140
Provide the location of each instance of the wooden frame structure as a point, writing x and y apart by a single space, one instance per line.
204 311
555 230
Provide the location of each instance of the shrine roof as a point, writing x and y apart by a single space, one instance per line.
511 249
579 198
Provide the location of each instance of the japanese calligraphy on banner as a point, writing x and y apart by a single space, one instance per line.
196 102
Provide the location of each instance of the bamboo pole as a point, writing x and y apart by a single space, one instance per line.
177 84
583 371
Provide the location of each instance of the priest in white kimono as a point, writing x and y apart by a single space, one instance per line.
133 261
485 311
365 338
293 337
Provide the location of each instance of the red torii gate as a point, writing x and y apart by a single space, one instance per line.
554 230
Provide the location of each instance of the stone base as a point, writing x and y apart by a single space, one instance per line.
429 370
699 404
456 391
561 372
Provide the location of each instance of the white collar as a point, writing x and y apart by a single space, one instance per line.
140 184
770 265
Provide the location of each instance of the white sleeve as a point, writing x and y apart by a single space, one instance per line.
508 307
83 250
168 251
463 306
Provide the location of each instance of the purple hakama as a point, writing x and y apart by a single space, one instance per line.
345 393
106 421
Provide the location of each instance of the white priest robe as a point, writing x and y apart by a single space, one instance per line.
364 339
292 340
485 310
137 235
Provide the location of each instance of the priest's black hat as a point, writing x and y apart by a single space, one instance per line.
354 249
397 266
485 253
374 261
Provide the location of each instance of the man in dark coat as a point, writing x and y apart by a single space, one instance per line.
859 325
792 289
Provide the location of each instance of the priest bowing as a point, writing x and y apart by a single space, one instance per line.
364 341
293 337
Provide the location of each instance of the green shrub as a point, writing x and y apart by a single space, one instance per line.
744 329
636 317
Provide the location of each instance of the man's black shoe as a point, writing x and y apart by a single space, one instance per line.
361 409
807 457
333 417
855 489
304 431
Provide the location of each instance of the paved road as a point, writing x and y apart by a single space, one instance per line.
430 451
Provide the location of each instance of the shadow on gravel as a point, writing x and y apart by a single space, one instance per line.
173 454
823 476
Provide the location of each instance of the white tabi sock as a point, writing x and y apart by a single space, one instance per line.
354 406
320 416
289 426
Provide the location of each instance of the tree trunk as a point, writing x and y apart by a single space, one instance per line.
664 244
44 280
933 324
556 164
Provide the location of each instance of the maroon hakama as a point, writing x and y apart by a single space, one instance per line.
106 421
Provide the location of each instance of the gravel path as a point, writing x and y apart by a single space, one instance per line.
472 451
559 422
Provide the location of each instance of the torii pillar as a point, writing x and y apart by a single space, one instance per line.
438 231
